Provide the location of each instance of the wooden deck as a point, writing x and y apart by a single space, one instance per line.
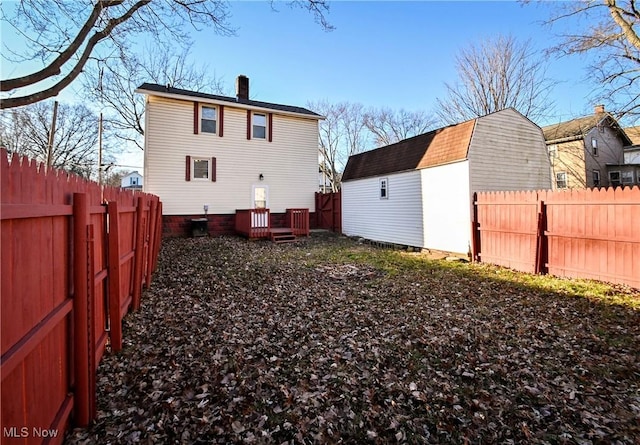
256 224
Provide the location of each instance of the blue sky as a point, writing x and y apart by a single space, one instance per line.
381 54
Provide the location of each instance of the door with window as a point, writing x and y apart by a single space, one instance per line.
260 200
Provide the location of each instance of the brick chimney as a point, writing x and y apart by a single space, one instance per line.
596 110
242 87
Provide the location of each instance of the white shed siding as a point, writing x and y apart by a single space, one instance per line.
289 163
508 152
397 219
447 207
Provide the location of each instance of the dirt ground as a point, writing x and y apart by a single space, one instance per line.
327 341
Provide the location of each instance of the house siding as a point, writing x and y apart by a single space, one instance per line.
447 207
397 219
508 152
289 163
610 151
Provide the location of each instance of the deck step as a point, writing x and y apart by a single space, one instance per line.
281 236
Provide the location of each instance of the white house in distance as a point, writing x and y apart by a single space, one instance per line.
133 180
209 154
418 192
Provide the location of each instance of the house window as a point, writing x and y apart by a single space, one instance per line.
259 125
614 179
594 146
384 188
595 175
561 180
200 168
627 178
208 121
553 151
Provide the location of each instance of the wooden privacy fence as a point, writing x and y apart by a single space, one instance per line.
75 257
591 233
329 211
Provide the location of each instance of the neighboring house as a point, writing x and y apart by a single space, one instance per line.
586 151
632 152
132 181
209 154
418 192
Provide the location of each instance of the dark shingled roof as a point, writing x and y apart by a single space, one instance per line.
151 88
574 128
437 147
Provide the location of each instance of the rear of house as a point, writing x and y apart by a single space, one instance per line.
418 192
209 154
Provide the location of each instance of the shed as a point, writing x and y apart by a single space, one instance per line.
418 192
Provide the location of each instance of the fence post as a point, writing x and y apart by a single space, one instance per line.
139 253
152 239
81 323
475 230
541 239
115 323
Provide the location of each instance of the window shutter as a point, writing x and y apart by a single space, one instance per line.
187 170
221 122
248 124
270 124
213 169
196 117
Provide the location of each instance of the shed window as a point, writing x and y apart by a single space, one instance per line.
561 180
384 188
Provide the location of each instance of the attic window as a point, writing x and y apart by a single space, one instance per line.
384 188
594 146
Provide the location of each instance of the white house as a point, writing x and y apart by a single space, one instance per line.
132 181
209 154
418 192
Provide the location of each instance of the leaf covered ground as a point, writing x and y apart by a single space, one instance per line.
331 341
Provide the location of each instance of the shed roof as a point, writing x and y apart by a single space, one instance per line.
441 146
165 90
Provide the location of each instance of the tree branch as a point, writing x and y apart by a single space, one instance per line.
54 67
77 69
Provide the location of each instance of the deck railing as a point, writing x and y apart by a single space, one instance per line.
253 223
298 221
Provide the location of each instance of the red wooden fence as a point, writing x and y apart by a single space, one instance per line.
592 233
329 211
74 259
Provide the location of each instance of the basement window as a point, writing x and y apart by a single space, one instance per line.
384 188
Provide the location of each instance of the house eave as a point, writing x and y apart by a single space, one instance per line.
565 139
239 105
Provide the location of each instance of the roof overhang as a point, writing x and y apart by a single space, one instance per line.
206 100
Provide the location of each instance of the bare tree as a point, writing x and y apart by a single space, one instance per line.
112 84
342 133
389 126
65 35
496 74
610 31
26 131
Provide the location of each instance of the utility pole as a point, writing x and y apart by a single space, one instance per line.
51 135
